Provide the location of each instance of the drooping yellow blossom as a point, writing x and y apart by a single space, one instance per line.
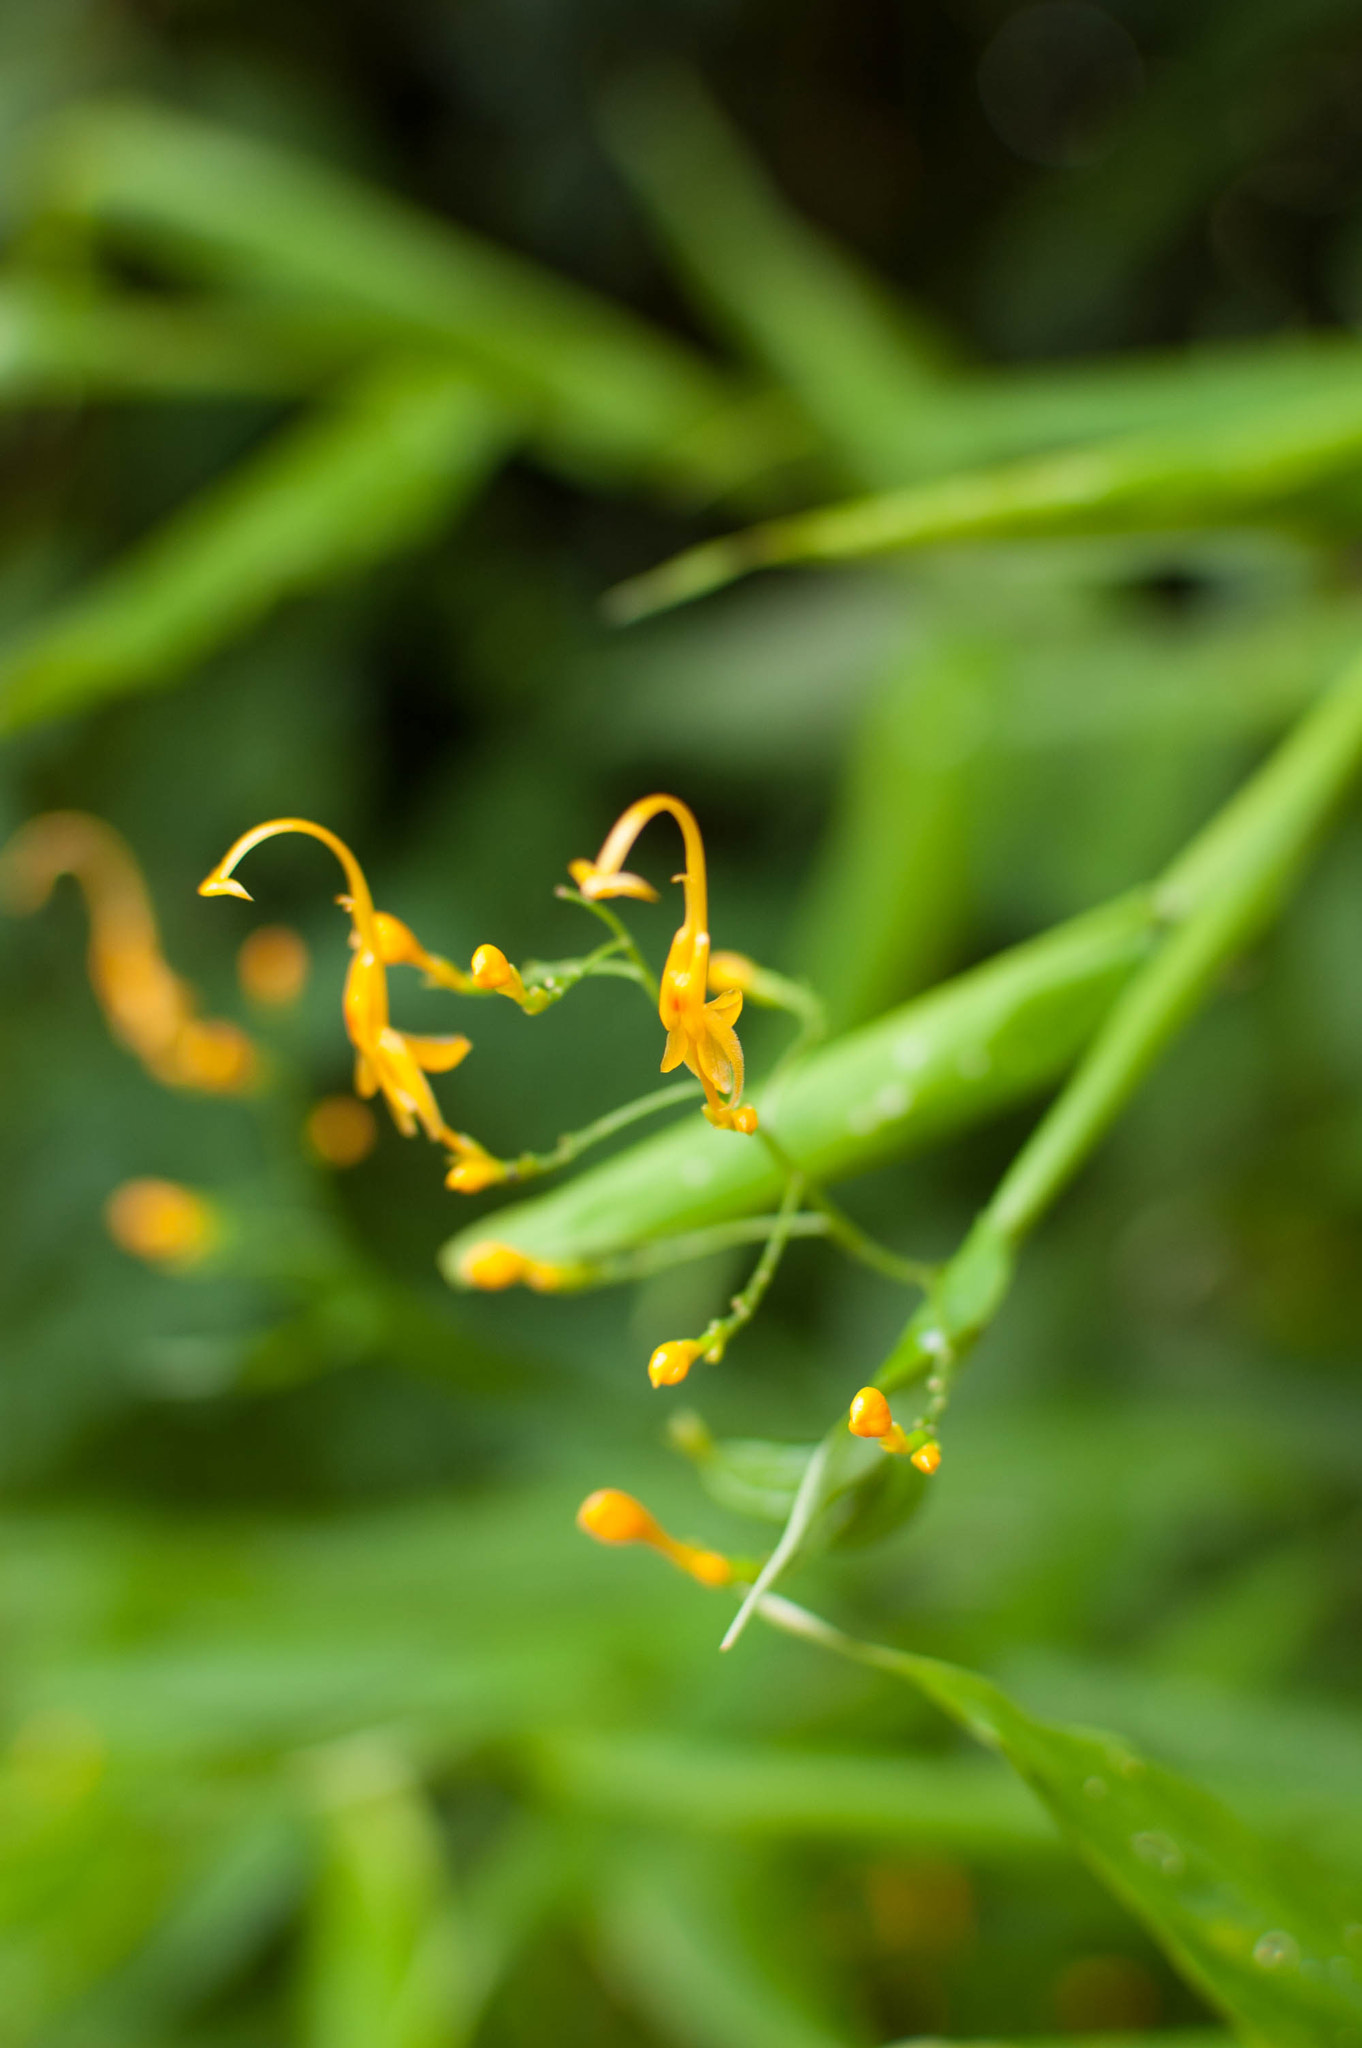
871 1417
161 1221
395 1062
147 1006
341 1131
614 1517
492 1266
671 1361
272 965
700 1034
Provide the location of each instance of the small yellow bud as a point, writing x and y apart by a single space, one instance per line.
470 1174
491 968
927 1457
161 1222
614 1517
492 1266
341 1131
272 965
870 1414
671 1361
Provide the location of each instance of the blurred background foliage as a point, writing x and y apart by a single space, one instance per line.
347 356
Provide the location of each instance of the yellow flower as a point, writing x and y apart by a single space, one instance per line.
147 1006
395 1062
700 1034
871 1417
614 1517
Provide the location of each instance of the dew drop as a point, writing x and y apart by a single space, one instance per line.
1160 1851
1095 1788
1277 1950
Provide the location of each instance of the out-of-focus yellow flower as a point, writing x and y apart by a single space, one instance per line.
341 1131
492 1266
870 1417
272 965
146 1005
395 1062
700 1034
732 970
614 1517
161 1221
671 1361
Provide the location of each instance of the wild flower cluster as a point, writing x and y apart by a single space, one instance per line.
698 998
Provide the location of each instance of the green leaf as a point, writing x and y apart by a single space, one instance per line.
1272 1941
891 891
384 1962
1166 2037
662 1779
862 368
1223 469
341 489
66 345
606 392
681 1944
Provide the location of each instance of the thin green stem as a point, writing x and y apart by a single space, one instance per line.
717 1336
624 938
573 1143
665 1252
848 1235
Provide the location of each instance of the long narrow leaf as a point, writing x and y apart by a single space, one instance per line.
605 389
343 488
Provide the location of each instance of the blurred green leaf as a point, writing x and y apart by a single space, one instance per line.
682 1782
1245 467
384 1967
344 488
676 1943
890 895
863 369
605 391
59 343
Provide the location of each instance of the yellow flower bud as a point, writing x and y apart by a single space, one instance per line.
671 1361
870 1414
473 1172
614 1517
